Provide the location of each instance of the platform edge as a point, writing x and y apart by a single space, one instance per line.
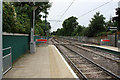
75 76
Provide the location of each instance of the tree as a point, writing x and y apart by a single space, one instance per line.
69 25
111 23
97 25
85 31
27 7
60 32
78 31
53 33
41 28
9 18
17 17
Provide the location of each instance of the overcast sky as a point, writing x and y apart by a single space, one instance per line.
78 8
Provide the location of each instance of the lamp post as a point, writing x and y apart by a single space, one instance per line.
32 42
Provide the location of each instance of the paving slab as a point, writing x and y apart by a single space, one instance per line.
45 63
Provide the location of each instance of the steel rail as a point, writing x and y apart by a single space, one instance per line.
72 64
80 47
86 49
66 57
97 65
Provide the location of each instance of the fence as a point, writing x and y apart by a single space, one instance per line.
7 60
18 42
94 40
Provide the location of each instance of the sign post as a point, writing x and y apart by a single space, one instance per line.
119 26
1 40
114 29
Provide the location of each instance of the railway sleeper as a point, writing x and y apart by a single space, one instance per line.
91 72
80 62
73 56
84 65
89 68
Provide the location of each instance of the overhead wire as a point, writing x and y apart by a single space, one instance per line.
67 9
59 20
95 9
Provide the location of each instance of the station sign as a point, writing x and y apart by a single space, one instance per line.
105 40
112 28
38 40
41 40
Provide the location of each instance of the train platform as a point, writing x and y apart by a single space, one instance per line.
103 47
47 62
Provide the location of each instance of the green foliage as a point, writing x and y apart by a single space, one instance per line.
26 7
9 18
22 24
69 25
97 25
41 28
18 17
102 33
110 23
85 31
78 31
60 32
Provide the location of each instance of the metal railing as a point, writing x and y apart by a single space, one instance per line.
7 60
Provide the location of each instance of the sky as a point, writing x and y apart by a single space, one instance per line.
78 9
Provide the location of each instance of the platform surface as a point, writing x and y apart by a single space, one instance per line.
45 63
104 47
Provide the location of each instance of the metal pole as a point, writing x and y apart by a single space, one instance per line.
33 21
1 69
116 38
32 42
45 27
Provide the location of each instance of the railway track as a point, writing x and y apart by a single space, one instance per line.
110 62
106 55
85 68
